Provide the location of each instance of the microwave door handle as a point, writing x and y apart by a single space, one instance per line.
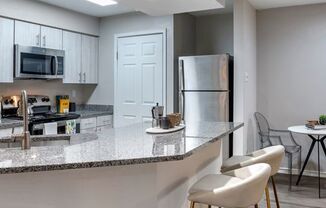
56 65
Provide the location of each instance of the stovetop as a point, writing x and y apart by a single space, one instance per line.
48 117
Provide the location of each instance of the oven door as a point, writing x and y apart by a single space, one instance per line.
38 63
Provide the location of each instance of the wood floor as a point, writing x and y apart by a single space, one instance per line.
305 195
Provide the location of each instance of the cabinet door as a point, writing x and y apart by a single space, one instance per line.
72 47
51 38
27 34
6 50
90 50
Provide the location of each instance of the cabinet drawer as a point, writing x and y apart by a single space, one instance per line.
102 128
88 123
85 131
104 120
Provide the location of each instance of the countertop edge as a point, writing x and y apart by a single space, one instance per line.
112 163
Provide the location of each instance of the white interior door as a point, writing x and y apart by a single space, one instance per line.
139 78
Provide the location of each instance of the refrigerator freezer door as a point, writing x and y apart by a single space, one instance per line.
204 72
205 106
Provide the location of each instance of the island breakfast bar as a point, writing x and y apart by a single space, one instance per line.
100 169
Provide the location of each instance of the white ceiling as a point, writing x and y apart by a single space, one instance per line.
89 8
162 7
268 4
168 7
150 7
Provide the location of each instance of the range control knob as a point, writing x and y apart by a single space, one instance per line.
11 101
6 102
45 99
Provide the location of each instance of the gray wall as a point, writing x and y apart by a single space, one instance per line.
128 23
214 34
184 45
244 64
292 68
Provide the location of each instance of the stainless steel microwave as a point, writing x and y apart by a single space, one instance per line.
38 63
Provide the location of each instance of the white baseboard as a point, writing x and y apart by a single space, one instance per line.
305 173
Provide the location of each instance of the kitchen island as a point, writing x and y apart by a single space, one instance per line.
122 167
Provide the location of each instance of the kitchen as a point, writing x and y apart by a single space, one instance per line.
95 148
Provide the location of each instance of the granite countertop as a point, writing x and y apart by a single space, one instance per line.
91 114
114 147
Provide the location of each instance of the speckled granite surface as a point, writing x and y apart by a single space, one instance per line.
90 114
113 147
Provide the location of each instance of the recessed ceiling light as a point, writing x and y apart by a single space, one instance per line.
103 2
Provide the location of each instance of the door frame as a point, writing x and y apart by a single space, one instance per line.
133 34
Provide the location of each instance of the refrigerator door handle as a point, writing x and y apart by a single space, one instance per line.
181 75
182 104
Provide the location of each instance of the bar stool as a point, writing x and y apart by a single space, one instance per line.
239 188
272 155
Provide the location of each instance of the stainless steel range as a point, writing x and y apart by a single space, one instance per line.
39 113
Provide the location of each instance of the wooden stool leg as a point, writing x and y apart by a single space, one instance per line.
209 206
268 201
192 204
275 193
256 206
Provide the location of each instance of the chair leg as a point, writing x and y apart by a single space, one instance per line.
299 161
290 171
256 206
192 204
268 200
275 193
209 206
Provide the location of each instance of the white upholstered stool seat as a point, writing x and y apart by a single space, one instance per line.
239 188
272 155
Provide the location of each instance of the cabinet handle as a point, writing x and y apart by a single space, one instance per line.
84 77
44 41
80 77
38 40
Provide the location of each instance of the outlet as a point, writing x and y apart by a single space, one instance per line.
73 93
246 77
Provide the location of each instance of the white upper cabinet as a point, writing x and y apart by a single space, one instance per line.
51 38
27 34
72 47
90 51
6 50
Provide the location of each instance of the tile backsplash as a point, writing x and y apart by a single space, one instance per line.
77 93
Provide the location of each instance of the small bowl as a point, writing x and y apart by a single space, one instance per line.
175 119
313 122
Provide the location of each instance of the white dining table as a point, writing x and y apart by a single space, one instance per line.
317 136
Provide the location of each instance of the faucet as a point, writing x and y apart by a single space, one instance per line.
25 137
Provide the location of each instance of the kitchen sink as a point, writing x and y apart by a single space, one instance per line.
42 140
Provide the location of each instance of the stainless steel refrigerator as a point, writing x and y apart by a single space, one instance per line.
206 89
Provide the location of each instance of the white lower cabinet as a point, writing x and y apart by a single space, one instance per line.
10 131
96 124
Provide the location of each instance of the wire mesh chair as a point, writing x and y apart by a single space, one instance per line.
268 135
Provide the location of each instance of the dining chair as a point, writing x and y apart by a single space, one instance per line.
271 137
